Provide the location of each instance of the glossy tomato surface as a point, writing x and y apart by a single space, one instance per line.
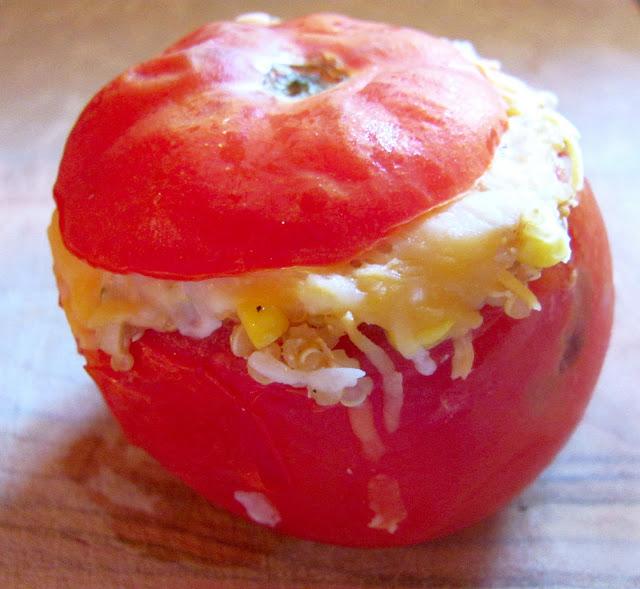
463 447
247 146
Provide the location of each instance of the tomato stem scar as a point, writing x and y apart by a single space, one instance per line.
307 79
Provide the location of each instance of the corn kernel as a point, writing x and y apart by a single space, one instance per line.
263 323
431 335
543 242
403 340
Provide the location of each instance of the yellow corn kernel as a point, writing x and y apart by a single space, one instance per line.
410 341
111 311
510 282
263 323
543 241
433 334
403 339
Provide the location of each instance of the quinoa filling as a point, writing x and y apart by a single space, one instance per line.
424 284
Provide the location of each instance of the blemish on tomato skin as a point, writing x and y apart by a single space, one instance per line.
575 339
573 346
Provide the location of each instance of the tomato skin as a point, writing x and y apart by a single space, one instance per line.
199 169
463 448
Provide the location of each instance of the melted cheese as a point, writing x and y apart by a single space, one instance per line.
425 283
386 503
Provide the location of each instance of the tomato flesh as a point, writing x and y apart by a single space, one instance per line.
192 165
463 447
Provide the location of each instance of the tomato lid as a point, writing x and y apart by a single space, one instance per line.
249 146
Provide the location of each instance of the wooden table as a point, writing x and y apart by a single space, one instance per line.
79 507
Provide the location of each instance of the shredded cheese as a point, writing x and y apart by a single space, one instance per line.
391 379
364 429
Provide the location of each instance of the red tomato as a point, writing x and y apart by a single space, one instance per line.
463 447
223 156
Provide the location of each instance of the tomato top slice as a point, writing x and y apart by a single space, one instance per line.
246 147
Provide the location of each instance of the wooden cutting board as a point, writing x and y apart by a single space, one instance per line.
79 507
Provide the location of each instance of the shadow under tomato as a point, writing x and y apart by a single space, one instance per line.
161 519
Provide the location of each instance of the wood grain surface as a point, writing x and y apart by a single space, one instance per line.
79 507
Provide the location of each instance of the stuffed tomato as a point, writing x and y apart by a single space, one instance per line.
343 279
